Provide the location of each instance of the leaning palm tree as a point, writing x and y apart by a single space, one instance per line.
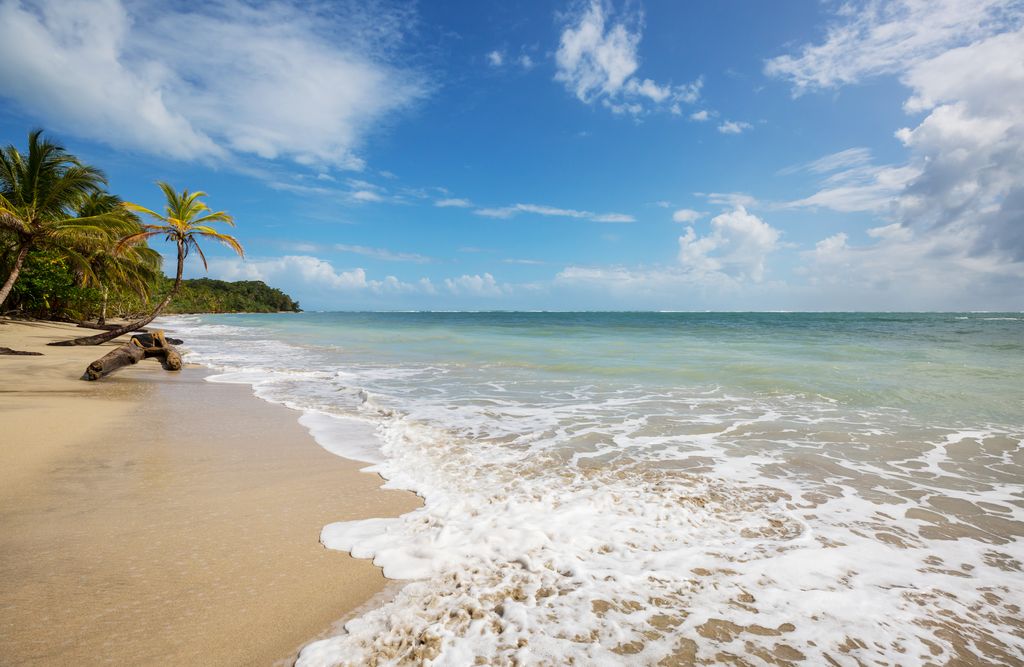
186 219
38 196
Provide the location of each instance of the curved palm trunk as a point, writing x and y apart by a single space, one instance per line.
134 326
13 278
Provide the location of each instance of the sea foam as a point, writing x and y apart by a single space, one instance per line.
568 521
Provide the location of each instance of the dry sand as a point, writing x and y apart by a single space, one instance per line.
154 518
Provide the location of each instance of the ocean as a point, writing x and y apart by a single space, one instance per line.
665 488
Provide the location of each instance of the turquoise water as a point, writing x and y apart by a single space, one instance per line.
636 487
958 367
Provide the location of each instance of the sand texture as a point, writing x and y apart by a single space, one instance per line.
155 518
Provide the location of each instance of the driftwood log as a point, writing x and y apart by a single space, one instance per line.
103 327
142 346
7 350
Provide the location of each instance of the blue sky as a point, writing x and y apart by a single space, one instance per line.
568 155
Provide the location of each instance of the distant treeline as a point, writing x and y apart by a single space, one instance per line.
50 287
205 295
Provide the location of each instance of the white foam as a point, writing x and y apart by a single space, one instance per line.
618 524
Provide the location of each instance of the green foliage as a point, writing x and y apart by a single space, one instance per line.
204 295
47 288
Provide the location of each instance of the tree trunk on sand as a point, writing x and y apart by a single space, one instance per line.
144 346
134 326
11 279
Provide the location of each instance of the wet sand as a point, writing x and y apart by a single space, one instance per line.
155 518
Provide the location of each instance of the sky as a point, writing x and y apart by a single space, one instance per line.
567 155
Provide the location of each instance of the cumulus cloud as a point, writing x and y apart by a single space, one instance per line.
686 215
597 60
955 207
496 58
737 245
700 116
506 212
209 82
476 285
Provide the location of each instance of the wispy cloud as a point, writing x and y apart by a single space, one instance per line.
367 196
734 126
496 58
453 203
383 253
539 209
845 159
212 81
890 37
729 199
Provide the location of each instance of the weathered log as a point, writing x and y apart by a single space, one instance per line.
7 350
143 346
104 327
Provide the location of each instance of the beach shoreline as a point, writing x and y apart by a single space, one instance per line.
157 517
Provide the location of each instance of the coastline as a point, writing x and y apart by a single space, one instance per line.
156 517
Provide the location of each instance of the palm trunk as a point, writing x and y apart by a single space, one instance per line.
103 313
134 326
13 278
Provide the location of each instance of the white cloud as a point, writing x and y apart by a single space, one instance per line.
686 215
890 37
612 217
527 262
954 208
866 188
383 253
728 199
476 285
496 58
845 159
305 272
526 62
366 196
700 116
738 244
453 203
597 60
734 126
539 209
207 82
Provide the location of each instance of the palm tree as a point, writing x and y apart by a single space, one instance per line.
38 196
135 269
187 218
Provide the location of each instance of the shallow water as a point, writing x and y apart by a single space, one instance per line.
667 488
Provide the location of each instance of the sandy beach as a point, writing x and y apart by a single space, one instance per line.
155 518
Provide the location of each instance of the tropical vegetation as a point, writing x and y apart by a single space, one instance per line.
71 250
185 220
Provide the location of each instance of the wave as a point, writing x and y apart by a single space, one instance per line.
627 524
